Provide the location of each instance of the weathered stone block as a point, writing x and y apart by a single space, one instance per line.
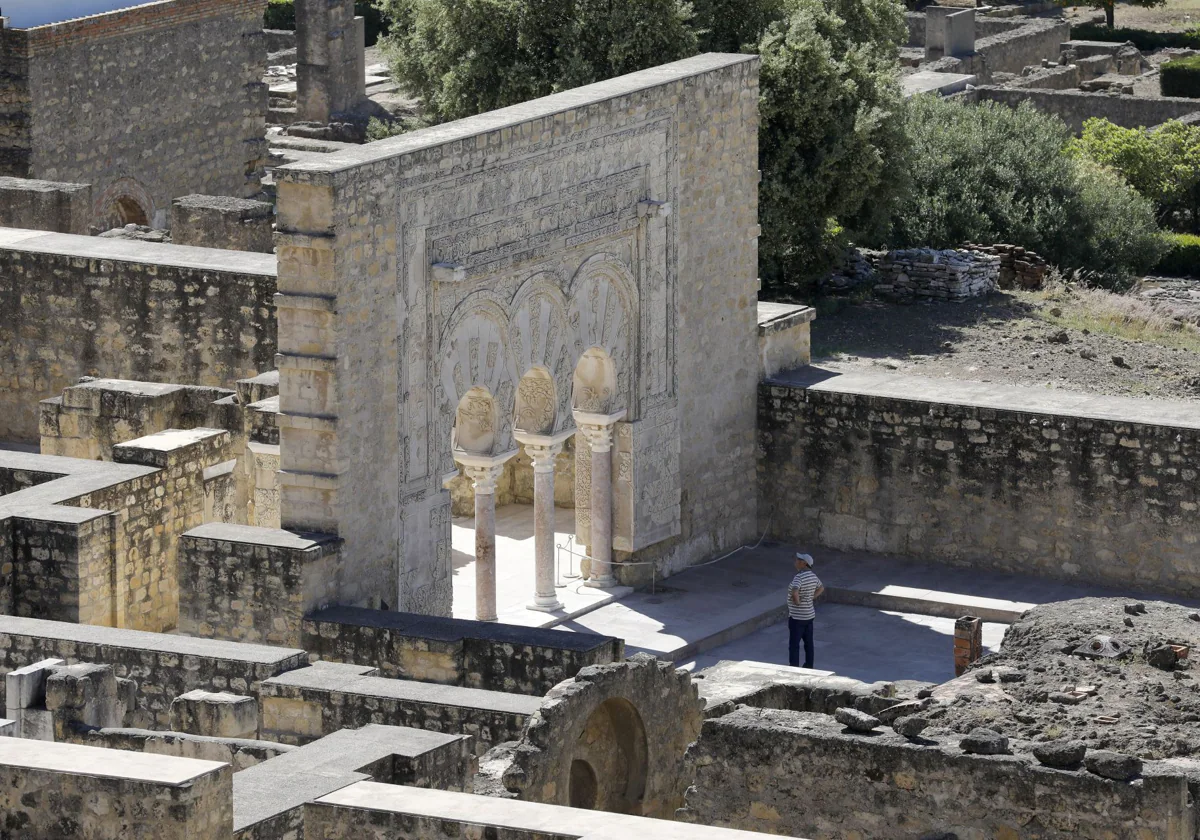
216 713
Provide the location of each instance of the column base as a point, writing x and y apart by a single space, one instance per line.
493 618
553 606
602 583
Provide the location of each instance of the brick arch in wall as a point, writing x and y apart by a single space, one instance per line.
124 201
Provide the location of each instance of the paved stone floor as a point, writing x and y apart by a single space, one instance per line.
862 643
515 566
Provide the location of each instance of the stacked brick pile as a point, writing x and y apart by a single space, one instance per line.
1019 269
968 643
936 275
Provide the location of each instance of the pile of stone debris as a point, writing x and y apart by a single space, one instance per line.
955 274
1097 673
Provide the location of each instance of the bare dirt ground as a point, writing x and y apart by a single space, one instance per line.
1143 345
1127 704
1175 15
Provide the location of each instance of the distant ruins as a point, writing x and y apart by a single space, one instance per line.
231 463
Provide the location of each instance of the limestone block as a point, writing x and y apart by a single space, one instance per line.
216 713
84 693
26 687
8 728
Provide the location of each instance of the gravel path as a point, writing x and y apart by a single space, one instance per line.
1010 337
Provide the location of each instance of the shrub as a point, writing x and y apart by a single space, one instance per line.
1181 77
1144 39
989 173
1163 165
1183 258
281 14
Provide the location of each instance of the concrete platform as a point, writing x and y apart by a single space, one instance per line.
927 81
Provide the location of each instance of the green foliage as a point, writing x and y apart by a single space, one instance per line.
831 132
281 14
989 173
1163 165
1144 39
463 57
1181 77
1183 258
732 26
378 129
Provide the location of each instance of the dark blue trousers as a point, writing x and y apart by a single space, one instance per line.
800 630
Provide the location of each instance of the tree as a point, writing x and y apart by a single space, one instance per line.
1109 7
988 173
1162 165
464 57
831 133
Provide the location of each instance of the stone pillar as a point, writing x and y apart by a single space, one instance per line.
598 429
543 450
484 471
330 78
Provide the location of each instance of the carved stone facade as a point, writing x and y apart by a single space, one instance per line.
444 289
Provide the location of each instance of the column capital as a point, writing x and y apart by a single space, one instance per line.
483 470
597 429
543 449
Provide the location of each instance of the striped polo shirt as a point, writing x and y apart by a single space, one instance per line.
807 584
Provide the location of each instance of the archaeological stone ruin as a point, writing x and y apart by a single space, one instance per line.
441 485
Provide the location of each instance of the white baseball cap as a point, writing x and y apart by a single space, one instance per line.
807 558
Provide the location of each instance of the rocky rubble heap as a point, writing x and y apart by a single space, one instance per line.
1094 673
926 273
855 268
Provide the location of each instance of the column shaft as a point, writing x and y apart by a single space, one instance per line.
601 510
485 555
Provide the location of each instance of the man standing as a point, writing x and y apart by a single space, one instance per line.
804 587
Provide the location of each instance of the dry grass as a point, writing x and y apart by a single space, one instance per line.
1124 316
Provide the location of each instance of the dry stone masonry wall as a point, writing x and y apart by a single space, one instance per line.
895 466
925 273
142 130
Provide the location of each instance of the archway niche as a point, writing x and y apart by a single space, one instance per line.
125 210
612 748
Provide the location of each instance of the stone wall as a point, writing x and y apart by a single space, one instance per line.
801 774
305 705
622 216
784 337
249 584
45 205
240 753
67 790
1011 50
72 306
1074 106
929 274
473 654
221 221
145 104
1063 485
163 666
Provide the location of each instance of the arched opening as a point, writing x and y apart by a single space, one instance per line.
594 387
583 789
612 748
126 211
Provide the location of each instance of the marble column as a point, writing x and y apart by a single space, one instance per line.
484 471
542 450
598 429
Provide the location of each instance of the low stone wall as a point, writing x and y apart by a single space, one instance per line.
68 790
239 753
73 306
925 273
1073 106
222 221
1064 485
784 336
1019 268
248 584
1012 50
45 205
163 666
300 707
801 774
454 651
